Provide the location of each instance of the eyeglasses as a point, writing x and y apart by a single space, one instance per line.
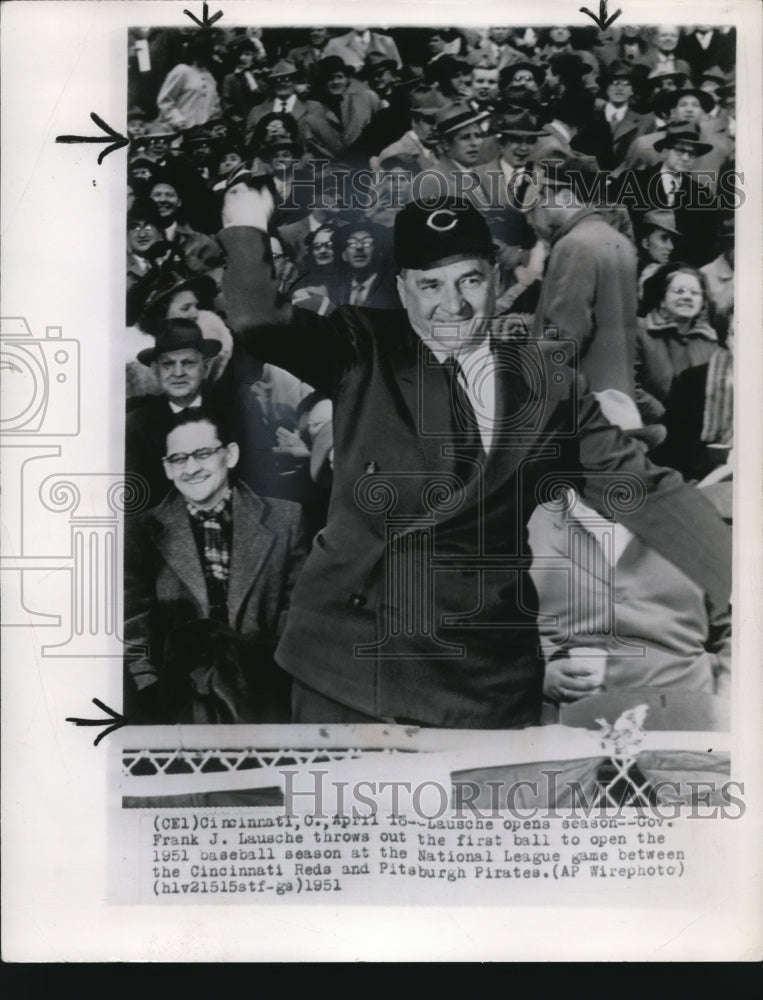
141 226
366 243
180 458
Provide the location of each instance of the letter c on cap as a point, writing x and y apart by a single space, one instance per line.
445 226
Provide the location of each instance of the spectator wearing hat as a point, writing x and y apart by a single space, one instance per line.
136 122
624 124
339 111
459 141
674 334
353 47
648 625
378 71
662 53
719 273
392 120
146 245
189 94
200 253
521 79
656 240
179 359
672 185
285 101
241 90
414 143
588 292
452 76
421 400
207 580
308 56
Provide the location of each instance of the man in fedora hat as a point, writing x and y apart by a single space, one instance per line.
282 79
179 360
414 604
378 71
656 237
459 140
208 575
507 179
624 124
671 185
588 292
339 110
413 143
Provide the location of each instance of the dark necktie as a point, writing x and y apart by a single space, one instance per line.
466 429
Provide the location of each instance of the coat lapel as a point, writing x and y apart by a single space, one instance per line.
252 541
176 544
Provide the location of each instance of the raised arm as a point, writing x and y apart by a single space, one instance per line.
312 347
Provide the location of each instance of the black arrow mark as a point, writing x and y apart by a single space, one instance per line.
206 21
116 140
602 20
120 721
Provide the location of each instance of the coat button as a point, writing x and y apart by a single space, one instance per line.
358 600
371 467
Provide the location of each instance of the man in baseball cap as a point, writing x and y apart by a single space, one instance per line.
414 605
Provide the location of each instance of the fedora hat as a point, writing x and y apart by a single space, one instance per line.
507 73
175 279
671 99
618 70
519 122
179 335
426 101
282 68
455 116
659 75
661 218
374 61
682 132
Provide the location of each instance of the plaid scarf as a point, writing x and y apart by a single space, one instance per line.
213 531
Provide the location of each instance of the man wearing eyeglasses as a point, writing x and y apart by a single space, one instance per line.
208 575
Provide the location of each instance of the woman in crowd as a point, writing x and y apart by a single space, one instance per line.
189 94
320 287
699 412
174 293
674 334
